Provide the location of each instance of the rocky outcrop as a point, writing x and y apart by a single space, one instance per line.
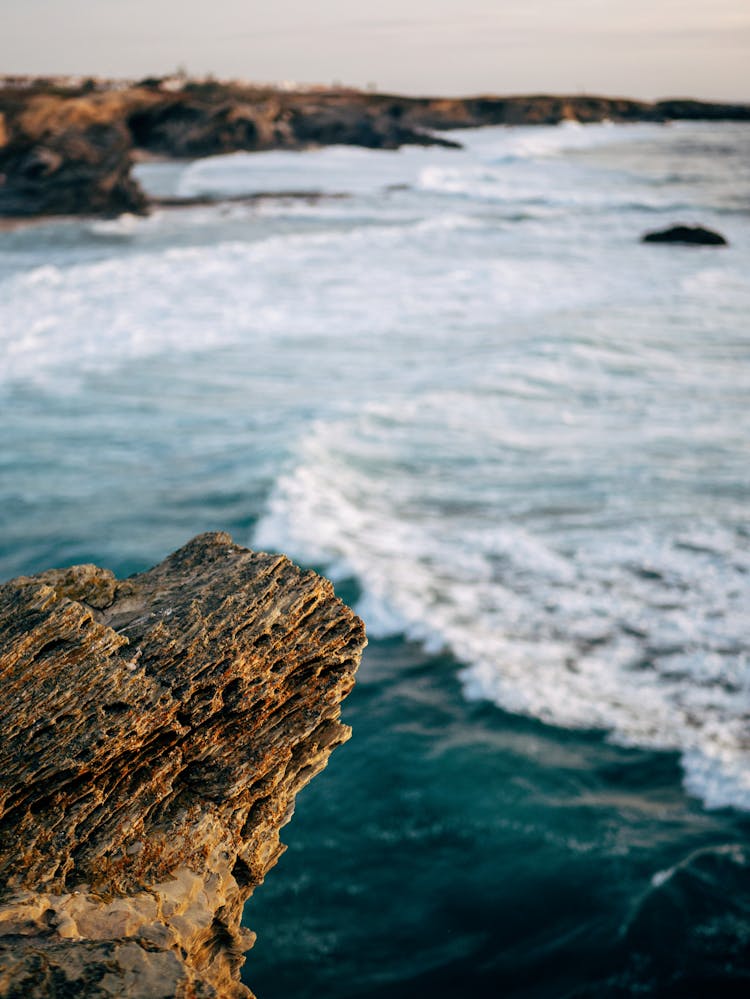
155 733
536 109
66 148
691 235
207 118
683 109
66 156
203 120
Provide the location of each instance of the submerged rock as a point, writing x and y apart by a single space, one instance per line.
155 733
692 235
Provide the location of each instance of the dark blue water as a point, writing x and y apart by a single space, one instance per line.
452 849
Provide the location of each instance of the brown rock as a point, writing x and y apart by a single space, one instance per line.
155 734
65 157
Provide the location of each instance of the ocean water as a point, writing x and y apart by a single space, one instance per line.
519 442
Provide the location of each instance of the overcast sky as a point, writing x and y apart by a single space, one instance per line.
639 48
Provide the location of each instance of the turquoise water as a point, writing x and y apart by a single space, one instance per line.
517 439
453 849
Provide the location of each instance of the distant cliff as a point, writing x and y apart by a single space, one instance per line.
155 734
65 155
68 148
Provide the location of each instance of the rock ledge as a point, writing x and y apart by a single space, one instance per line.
156 732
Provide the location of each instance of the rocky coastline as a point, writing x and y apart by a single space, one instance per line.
156 733
67 147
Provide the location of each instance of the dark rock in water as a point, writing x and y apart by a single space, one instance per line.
693 235
155 734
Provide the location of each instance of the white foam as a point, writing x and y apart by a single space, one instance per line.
352 170
531 436
638 629
332 170
58 323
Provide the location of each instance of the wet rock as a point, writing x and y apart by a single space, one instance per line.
690 235
156 731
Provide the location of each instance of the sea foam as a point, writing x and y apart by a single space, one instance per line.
465 385
570 608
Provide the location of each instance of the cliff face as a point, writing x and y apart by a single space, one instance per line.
155 734
66 156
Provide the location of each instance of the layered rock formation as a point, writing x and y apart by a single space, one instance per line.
67 148
155 733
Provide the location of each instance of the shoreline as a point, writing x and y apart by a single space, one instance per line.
69 149
14 223
511 432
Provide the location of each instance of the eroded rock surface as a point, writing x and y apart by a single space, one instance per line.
155 733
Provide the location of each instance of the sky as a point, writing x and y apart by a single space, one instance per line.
635 48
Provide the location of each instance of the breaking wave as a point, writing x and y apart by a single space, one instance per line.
570 603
